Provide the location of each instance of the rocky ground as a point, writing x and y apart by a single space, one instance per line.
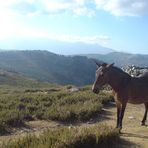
135 70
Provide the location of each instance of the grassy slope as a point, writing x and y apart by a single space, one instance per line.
133 134
19 106
12 79
24 100
57 103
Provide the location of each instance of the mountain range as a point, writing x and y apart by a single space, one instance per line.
121 59
49 67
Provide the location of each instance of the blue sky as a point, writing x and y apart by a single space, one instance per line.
117 24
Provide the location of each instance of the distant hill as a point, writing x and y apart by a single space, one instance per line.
122 59
14 79
46 66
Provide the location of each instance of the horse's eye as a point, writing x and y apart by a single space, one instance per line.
101 74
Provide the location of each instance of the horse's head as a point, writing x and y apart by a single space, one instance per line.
102 76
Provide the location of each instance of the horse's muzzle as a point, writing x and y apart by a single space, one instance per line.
95 90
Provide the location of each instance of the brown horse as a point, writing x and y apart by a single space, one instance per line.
125 88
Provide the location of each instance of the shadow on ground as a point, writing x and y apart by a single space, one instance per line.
127 144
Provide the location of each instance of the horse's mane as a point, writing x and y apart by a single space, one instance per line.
123 78
119 70
145 75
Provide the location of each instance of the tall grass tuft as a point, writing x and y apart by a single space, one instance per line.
90 137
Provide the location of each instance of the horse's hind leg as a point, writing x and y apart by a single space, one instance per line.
118 113
121 115
145 114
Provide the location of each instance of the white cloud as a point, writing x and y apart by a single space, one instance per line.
33 7
95 39
84 11
124 7
77 7
16 30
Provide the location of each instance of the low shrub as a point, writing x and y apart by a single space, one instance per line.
90 137
17 107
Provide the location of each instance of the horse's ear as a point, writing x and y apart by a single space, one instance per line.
110 65
104 64
98 64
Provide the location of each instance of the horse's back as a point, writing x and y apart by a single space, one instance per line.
139 84
144 75
138 89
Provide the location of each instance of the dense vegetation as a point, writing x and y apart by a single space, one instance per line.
90 137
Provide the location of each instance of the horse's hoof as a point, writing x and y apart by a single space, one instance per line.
142 124
118 129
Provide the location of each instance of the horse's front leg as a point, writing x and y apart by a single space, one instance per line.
121 115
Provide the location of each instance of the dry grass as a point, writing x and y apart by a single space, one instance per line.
59 104
78 137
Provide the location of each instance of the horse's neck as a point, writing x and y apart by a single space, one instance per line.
116 79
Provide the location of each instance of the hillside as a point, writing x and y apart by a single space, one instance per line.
10 78
46 66
122 59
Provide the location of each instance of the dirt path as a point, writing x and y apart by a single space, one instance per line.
133 132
